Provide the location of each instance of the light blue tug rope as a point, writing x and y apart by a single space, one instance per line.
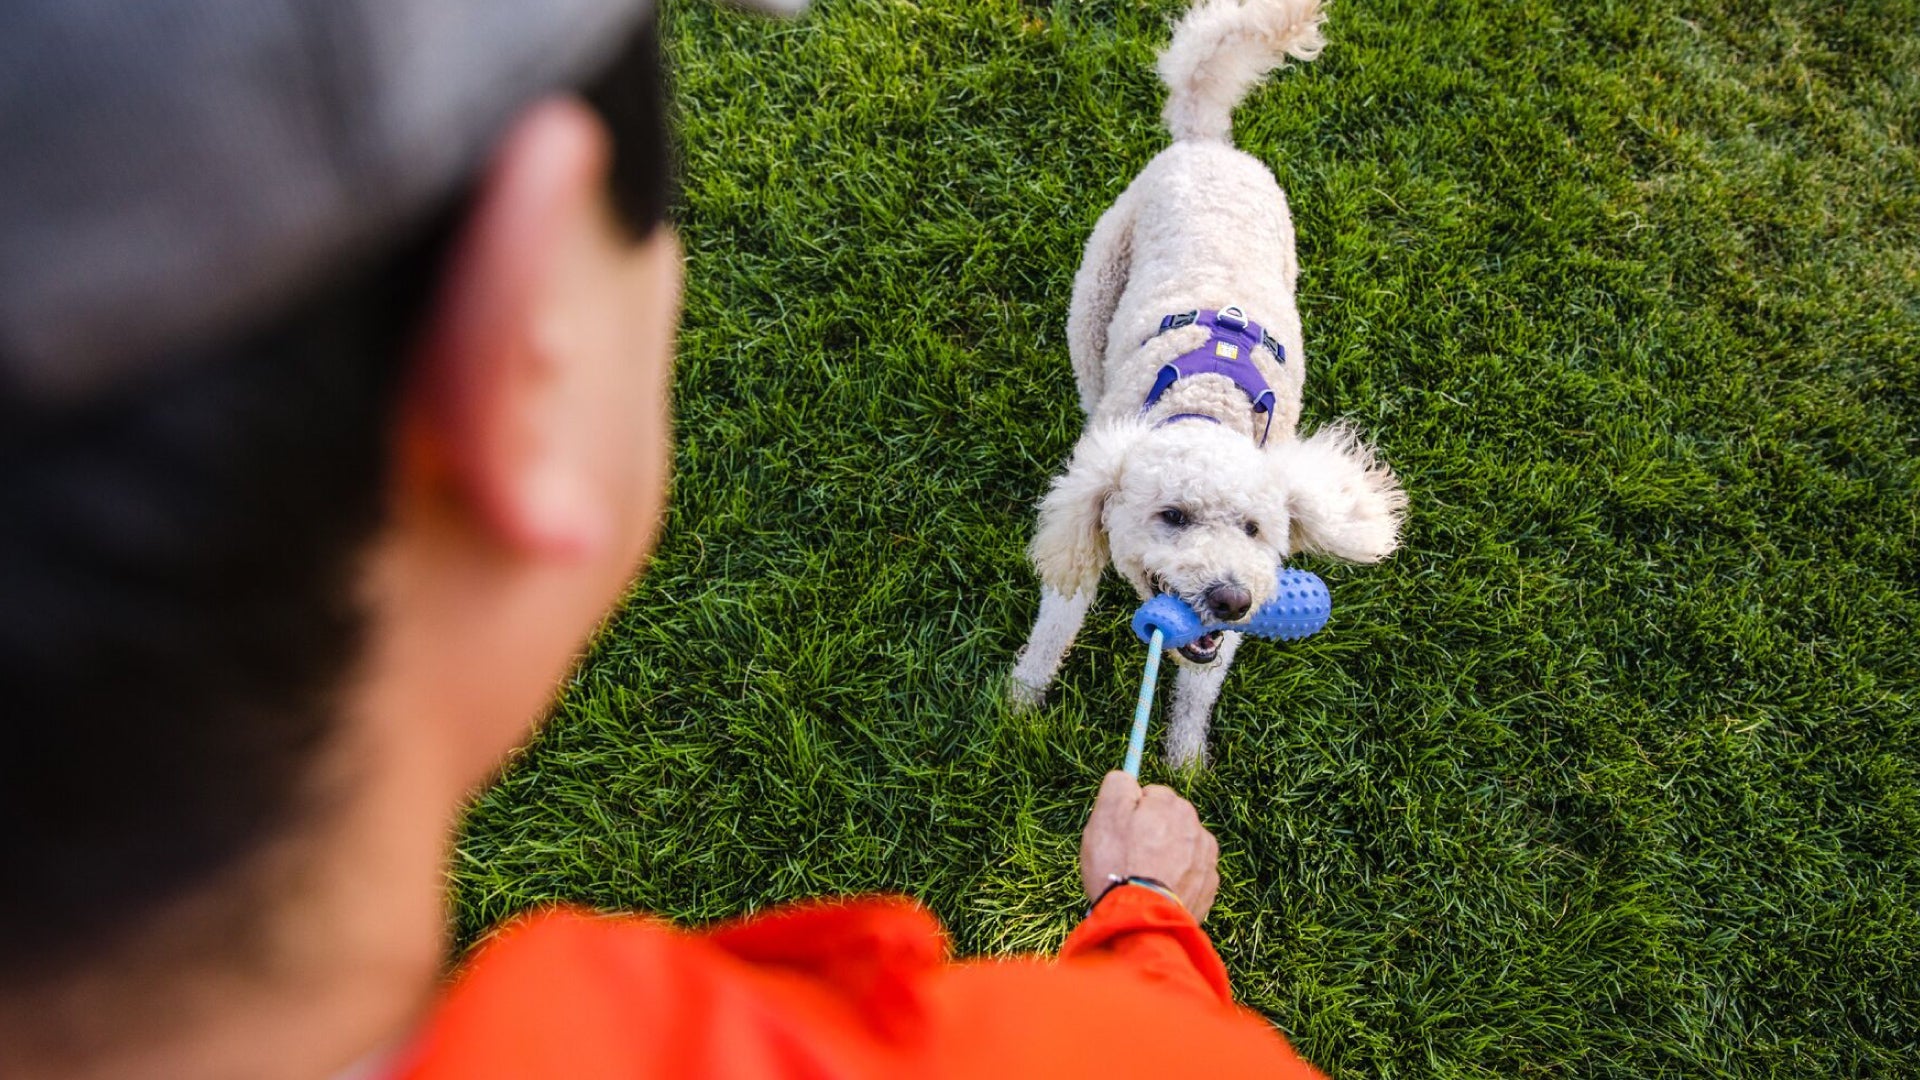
1137 742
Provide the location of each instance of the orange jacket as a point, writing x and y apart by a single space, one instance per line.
854 988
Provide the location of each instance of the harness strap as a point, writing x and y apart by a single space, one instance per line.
1227 351
1177 417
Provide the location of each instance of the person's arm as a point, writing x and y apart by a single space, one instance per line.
1150 925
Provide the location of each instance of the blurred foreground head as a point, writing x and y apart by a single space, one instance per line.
273 274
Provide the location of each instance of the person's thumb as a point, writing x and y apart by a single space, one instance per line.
1117 787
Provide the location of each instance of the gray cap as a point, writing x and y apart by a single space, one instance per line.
174 168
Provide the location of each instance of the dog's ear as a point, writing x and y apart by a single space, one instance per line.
1070 547
1342 501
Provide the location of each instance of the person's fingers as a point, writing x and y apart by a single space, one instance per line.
1212 888
1209 867
1165 800
1174 818
1163 817
1194 872
1160 793
1209 888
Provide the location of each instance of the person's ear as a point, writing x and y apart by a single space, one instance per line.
1069 550
1341 500
485 417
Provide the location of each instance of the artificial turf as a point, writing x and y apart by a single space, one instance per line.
1611 771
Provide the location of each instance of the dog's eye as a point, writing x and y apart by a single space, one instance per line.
1174 516
1252 528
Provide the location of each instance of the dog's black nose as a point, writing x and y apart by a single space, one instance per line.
1229 601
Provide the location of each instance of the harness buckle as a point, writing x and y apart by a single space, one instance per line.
1279 351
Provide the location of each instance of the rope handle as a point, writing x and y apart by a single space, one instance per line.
1137 740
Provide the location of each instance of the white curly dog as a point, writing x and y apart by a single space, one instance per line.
1185 340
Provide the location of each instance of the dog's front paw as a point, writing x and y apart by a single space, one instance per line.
1024 697
1187 754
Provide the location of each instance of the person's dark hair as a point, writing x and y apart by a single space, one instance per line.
178 575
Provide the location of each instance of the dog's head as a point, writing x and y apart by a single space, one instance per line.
1199 511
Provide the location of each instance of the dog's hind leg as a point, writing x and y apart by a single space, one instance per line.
1194 693
1053 633
1097 286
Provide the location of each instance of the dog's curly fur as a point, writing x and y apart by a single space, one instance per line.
1204 225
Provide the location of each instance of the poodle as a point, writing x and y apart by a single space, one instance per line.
1190 477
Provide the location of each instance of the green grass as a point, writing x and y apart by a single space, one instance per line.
1612 771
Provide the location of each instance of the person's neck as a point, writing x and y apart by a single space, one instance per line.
328 952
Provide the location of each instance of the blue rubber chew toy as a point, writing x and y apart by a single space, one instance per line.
1299 607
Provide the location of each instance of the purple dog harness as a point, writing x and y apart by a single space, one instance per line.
1227 351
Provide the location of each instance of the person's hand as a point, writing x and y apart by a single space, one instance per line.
1149 832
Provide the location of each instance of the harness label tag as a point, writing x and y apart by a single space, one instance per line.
1226 349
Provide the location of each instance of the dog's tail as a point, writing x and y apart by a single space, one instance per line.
1221 49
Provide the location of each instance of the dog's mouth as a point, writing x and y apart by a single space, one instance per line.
1203 650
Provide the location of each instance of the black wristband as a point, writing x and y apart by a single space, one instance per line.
1114 881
